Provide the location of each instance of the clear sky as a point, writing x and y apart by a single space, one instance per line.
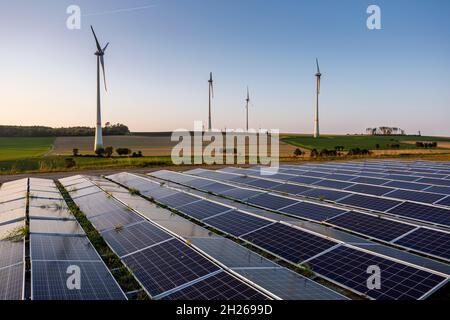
160 56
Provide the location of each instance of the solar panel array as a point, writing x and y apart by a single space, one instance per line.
59 250
297 245
161 263
12 241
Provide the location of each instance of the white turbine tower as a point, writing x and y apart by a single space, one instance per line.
100 61
316 119
247 101
211 96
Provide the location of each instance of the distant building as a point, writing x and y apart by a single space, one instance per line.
385 131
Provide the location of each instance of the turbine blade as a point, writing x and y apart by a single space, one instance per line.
104 49
96 40
317 63
102 61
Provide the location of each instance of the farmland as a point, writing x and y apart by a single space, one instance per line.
20 148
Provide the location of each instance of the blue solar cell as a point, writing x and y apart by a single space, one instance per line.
199 183
371 203
423 212
316 174
400 177
445 202
340 177
406 185
312 211
11 282
416 196
178 200
272 202
243 179
382 229
443 190
289 243
324 194
348 267
114 219
333 184
369 189
241 194
374 181
437 182
237 223
428 241
291 188
218 187
203 209
263 184
304 180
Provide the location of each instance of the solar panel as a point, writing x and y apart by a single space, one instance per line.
400 177
443 190
290 188
304 180
289 243
271 201
428 241
178 200
219 187
11 252
135 237
264 184
12 205
167 266
203 209
444 202
55 227
423 212
369 189
199 183
50 213
374 181
12 215
416 196
333 184
6 197
324 194
241 194
160 193
115 220
221 286
47 247
382 229
237 223
76 193
242 179
312 211
341 177
316 174
348 267
406 185
49 281
11 282
371 203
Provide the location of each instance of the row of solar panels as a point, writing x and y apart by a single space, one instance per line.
165 266
400 165
13 200
271 277
341 263
420 239
308 187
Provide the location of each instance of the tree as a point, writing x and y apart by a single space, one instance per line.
75 152
314 153
100 152
109 151
298 152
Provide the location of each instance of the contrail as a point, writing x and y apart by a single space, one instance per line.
119 11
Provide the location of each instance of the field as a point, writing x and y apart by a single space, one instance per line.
363 142
20 148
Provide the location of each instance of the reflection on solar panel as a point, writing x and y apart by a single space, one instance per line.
406 185
11 282
49 281
369 189
371 203
115 219
423 212
12 215
312 211
271 201
324 194
178 200
333 184
159 193
202 209
167 266
290 188
445 202
47 247
371 226
237 223
135 237
289 243
11 253
428 241
241 194
349 267
415 196
55 227
221 286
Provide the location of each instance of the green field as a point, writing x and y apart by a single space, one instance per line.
362 142
20 148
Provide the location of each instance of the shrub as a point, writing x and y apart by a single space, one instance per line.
123 151
100 152
70 163
298 152
75 152
109 151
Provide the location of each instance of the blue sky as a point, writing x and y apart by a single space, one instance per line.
160 57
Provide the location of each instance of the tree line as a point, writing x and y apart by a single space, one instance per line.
42 131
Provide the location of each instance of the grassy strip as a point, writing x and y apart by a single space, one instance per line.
122 275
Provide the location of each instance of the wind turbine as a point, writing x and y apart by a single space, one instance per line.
100 61
247 101
316 120
211 96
